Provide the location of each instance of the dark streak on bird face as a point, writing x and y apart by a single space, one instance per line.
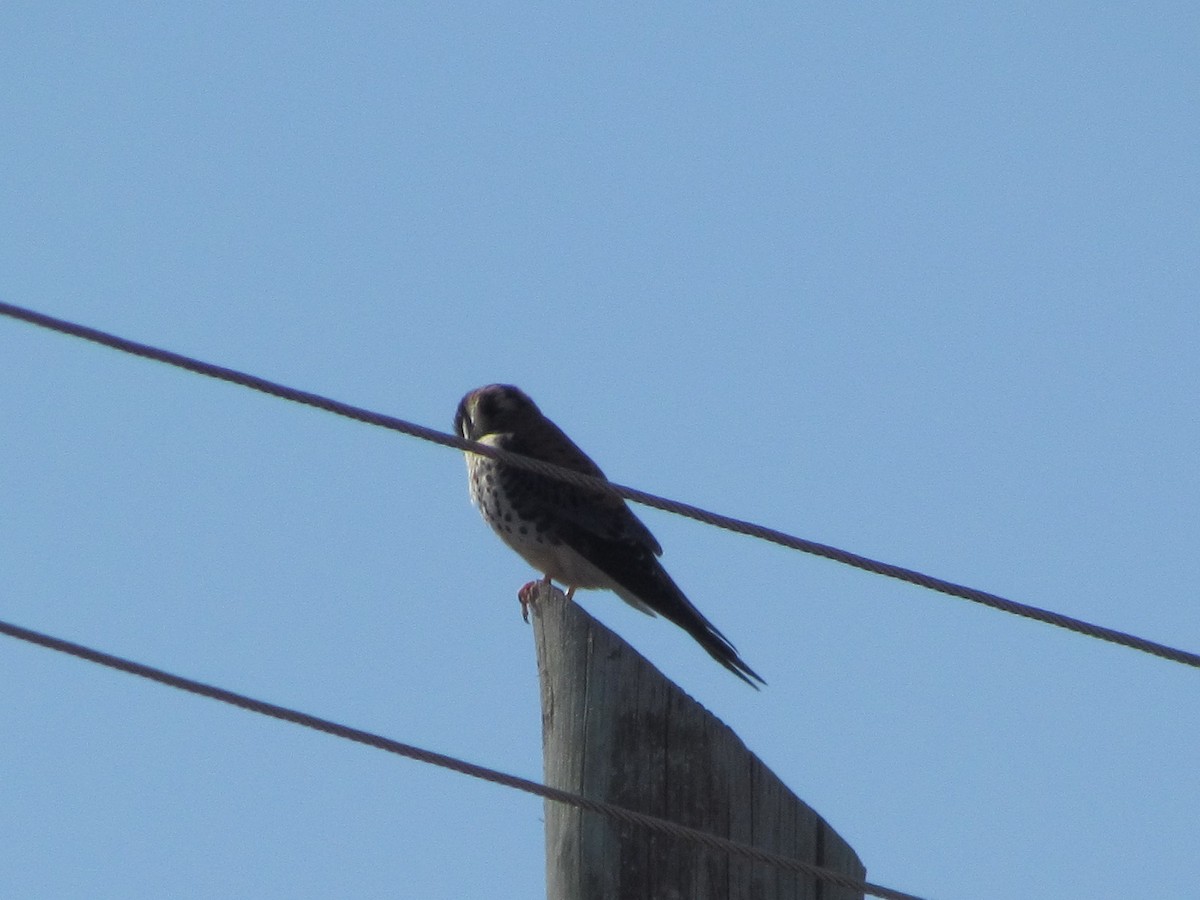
462 422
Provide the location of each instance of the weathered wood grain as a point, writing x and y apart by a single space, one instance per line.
614 729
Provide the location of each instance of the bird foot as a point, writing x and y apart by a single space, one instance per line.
528 596
531 592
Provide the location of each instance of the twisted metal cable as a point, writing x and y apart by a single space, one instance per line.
441 760
728 523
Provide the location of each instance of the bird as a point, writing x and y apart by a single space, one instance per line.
584 538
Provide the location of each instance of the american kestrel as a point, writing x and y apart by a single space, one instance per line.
581 538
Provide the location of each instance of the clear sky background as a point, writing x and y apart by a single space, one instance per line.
920 284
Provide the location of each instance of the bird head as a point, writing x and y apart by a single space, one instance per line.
493 409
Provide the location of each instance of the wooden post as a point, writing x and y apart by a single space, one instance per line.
614 729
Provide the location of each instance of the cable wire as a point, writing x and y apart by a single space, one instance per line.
441 760
739 526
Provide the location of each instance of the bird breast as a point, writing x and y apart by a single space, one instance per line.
535 538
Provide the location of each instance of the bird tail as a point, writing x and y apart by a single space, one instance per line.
665 598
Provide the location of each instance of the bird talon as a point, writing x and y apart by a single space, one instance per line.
527 595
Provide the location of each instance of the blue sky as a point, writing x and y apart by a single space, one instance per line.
917 283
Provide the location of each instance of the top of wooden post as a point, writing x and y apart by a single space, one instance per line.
615 729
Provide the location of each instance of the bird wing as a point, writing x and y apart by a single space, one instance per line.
593 511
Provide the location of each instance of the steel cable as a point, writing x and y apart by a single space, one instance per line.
739 526
370 739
